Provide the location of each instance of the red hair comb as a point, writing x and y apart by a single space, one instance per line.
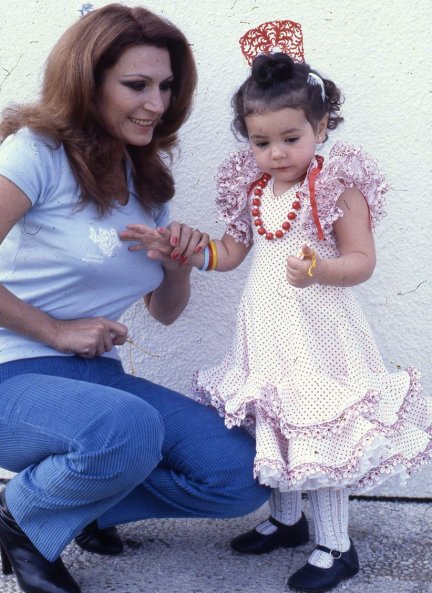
275 36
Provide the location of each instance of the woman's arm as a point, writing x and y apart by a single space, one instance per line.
354 236
15 314
89 337
169 300
172 246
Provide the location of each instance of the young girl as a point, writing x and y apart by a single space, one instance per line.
304 372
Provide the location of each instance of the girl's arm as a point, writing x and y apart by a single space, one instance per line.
354 236
230 254
88 337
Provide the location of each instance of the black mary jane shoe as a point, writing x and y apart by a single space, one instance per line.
34 573
314 579
100 541
285 536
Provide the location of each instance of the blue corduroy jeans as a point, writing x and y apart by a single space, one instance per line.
89 441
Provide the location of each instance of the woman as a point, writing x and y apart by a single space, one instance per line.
86 440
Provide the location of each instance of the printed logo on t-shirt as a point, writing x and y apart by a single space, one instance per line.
107 241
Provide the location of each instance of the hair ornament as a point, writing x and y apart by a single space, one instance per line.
314 79
273 37
86 8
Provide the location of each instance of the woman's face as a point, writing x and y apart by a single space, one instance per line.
135 93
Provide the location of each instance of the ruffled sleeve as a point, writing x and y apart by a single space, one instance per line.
347 166
234 179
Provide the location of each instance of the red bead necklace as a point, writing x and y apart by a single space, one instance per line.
256 211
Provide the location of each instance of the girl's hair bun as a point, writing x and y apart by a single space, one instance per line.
268 69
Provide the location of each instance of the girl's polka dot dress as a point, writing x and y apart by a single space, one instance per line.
304 373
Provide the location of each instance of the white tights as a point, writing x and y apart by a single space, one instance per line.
285 507
329 508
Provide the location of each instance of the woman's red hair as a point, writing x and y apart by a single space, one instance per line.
66 111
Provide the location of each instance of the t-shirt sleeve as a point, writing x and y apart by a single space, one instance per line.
27 160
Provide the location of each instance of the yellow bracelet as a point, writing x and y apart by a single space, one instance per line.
214 258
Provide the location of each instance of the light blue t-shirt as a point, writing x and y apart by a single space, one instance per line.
62 258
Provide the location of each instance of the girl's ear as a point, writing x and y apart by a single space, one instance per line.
321 129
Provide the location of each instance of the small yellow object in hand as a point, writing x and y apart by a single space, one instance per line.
313 264
312 256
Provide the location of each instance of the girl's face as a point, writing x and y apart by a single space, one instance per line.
283 143
135 93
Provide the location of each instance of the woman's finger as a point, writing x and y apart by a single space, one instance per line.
202 243
174 228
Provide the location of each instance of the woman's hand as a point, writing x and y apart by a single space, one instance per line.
300 270
186 241
88 337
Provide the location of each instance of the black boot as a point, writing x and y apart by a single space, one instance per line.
34 573
100 541
285 536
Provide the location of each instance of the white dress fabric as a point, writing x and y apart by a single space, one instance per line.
304 372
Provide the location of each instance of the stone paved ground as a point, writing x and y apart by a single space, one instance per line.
393 539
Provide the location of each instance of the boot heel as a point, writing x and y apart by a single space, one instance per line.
6 563
33 572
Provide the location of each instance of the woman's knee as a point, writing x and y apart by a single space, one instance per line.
124 440
224 468
249 498
245 492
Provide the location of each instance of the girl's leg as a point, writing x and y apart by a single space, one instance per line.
285 507
206 469
335 557
78 449
330 516
285 528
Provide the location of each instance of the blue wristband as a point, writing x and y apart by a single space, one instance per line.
206 261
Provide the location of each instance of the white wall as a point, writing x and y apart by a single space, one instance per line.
379 53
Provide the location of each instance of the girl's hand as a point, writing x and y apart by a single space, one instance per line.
178 242
300 271
89 337
148 238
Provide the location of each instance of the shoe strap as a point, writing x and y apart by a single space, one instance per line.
344 557
280 525
333 553
275 522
